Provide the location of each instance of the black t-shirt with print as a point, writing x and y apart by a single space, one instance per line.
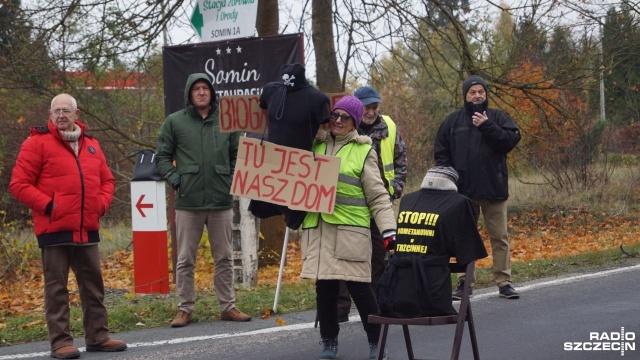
433 225
438 223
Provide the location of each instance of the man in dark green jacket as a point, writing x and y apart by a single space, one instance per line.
204 162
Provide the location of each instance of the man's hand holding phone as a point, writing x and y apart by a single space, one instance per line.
479 115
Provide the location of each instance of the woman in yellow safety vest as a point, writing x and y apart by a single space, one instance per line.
337 246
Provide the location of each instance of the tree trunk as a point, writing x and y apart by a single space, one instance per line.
327 73
272 228
268 18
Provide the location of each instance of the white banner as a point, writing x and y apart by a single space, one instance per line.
216 20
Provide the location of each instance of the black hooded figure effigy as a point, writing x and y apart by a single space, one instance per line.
295 110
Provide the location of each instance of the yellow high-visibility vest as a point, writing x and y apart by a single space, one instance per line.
387 147
351 206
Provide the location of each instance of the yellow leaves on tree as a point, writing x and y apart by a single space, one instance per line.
549 118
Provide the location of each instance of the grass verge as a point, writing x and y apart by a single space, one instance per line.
583 263
129 313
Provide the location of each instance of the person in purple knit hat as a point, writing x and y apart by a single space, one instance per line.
337 246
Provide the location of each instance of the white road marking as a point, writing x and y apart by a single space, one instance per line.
351 318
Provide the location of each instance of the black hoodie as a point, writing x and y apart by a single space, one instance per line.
296 109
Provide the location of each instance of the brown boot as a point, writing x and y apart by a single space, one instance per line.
110 345
234 315
182 319
66 352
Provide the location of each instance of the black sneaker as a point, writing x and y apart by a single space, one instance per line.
457 295
508 292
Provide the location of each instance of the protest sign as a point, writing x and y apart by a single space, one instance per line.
243 113
285 176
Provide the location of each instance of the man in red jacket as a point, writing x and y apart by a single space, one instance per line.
62 175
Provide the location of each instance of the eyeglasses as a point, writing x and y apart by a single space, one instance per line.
343 117
66 112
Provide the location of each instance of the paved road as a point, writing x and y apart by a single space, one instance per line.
549 314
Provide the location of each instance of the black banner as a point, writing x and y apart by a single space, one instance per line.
236 67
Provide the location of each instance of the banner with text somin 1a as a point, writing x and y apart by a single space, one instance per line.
235 67
285 176
215 20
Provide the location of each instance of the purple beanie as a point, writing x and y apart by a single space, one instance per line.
351 105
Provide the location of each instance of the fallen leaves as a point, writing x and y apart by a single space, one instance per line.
32 324
542 235
533 235
268 313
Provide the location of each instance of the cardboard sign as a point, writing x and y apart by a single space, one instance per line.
334 97
285 176
243 113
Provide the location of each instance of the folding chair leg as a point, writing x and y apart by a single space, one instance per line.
457 340
455 352
382 340
407 340
472 332
464 315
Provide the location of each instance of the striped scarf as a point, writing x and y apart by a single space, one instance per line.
72 137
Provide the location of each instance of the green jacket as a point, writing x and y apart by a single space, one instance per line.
204 157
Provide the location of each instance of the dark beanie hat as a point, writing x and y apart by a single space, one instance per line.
351 105
473 80
293 77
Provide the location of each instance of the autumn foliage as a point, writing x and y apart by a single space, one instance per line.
534 235
560 137
547 132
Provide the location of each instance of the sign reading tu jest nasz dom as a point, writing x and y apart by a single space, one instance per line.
216 20
285 176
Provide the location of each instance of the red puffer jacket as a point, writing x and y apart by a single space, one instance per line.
81 188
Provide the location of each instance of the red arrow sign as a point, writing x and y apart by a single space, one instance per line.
140 206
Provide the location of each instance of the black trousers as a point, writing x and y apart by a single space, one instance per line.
327 305
378 264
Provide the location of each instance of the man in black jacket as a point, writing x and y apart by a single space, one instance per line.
475 140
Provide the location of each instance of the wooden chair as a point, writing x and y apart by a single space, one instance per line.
464 315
